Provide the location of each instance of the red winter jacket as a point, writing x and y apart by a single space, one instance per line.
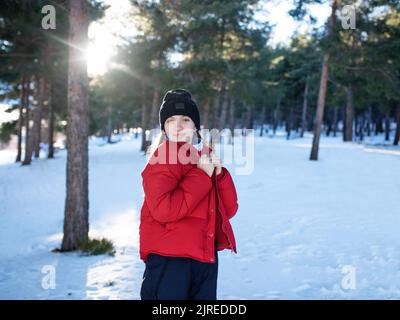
185 212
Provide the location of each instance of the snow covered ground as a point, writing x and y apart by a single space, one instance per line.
326 229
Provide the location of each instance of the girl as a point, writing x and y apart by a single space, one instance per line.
189 199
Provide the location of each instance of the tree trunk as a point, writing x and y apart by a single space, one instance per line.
50 154
145 120
214 112
20 119
397 134
387 125
289 123
322 89
109 124
250 117
243 121
232 118
206 113
335 120
43 98
34 136
76 219
378 124
38 128
320 108
361 127
329 121
369 121
348 134
304 111
27 120
263 116
224 108
155 108
276 116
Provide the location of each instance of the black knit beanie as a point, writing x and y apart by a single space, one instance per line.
179 102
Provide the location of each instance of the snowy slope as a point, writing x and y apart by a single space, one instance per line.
300 224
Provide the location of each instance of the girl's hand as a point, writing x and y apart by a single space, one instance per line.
206 165
217 163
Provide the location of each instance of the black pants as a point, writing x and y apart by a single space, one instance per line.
175 278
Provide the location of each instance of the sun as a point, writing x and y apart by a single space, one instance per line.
100 49
106 34
98 56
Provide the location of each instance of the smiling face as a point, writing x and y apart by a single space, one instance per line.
179 128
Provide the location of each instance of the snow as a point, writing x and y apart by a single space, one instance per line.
301 225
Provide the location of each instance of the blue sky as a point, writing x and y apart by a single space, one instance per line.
276 13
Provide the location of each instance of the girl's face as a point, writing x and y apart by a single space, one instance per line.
179 128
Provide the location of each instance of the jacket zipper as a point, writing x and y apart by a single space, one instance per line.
223 225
